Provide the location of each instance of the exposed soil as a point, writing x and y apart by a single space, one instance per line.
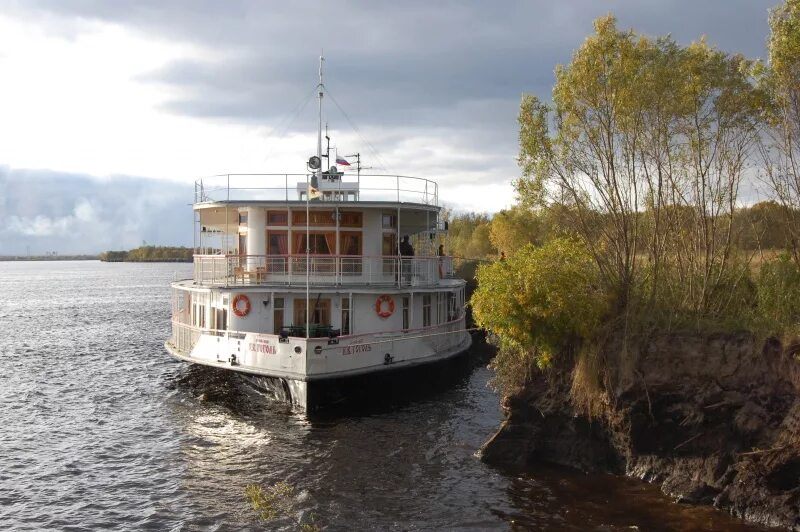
711 419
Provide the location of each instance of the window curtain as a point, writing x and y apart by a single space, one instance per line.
283 244
350 243
299 243
330 240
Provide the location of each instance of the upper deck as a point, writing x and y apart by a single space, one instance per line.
333 187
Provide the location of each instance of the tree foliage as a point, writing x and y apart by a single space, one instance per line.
468 235
780 144
150 254
646 142
639 159
538 301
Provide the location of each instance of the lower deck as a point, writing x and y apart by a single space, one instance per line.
289 334
341 311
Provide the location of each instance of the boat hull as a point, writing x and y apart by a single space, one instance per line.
312 391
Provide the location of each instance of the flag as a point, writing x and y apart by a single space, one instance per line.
313 190
342 161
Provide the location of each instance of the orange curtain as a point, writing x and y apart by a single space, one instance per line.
350 243
299 240
330 240
283 244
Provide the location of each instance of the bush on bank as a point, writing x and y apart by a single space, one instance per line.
549 301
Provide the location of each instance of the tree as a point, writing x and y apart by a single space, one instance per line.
643 133
780 146
539 301
511 229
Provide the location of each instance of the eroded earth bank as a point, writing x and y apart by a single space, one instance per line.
712 419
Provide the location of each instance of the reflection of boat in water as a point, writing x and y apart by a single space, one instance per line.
305 279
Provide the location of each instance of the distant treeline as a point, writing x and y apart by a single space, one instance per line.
478 236
150 254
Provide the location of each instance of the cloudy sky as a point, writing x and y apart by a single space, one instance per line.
110 110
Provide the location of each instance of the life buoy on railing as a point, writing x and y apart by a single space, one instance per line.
379 306
241 305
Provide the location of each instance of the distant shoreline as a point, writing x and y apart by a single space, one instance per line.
150 254
179 259
21 258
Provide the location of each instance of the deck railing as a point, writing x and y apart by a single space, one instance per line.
284 187
184 336
238 270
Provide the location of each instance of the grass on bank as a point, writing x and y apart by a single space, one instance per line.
551 301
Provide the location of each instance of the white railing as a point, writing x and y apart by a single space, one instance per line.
284 187
184 337
238 270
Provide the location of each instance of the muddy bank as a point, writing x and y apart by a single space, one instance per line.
711 419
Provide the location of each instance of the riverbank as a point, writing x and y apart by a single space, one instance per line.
150 254
711 419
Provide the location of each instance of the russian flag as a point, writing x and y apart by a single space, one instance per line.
342 161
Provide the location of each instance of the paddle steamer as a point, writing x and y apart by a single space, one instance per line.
304 279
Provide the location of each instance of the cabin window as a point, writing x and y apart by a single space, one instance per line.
317 218
199 315
452 306
406 314
350 243
242 218
277 243
277 217
319 243
320 311
277 315
221 319
389 221
389 244
351 219
346 315
180 300
441 311
426 310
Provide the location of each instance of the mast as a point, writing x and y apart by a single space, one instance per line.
308 198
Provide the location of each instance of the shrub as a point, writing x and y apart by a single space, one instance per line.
779 295
539 302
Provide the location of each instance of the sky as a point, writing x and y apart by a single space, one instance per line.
109 111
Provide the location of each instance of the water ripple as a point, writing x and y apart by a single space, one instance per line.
102 430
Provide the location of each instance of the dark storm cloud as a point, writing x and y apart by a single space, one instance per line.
390 64
71 213
446 71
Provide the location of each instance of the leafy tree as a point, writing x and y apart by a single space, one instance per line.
511 229
468 235
538 302
780 146
645 143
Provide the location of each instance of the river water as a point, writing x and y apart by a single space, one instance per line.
100 428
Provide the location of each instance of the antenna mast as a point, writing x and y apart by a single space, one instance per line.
318 174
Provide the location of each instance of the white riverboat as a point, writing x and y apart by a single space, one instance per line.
305 279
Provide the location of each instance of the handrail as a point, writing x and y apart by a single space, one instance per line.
400 188
325 270
387 336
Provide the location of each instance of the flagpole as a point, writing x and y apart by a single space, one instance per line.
308 199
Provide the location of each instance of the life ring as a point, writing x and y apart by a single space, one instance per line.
241 305
379 310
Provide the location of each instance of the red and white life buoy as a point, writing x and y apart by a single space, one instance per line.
384 306
241 305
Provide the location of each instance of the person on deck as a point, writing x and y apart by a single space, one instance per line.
406 249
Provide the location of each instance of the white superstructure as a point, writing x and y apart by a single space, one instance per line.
309 289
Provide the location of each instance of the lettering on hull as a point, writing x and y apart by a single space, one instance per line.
262 345
356 348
